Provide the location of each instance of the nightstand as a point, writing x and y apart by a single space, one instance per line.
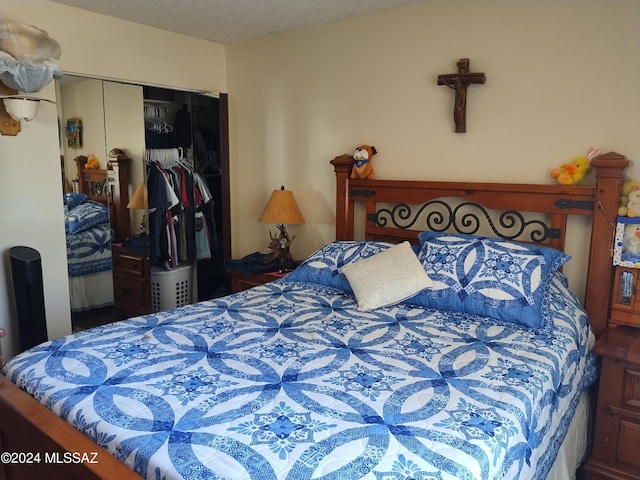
616 440
242 281
131 282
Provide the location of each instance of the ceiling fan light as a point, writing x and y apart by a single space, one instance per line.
21 108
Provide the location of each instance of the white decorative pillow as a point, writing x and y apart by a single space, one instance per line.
387 278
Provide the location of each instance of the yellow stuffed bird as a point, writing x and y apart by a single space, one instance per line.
571 173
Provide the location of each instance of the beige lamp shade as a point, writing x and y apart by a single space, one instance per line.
281 209
139 199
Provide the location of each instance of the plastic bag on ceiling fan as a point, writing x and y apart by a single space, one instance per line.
26 76
26 57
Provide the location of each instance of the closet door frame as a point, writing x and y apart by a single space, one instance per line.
226 182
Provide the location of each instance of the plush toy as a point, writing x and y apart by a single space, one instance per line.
633 206
627 187
571 173
92 162
362 167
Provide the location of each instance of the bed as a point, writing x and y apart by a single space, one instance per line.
321 374
93 219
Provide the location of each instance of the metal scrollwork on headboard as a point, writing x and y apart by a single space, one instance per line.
100 189
440 216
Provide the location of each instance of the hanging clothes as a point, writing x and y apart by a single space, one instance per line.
207 235
176 196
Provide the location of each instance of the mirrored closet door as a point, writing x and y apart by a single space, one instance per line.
146 123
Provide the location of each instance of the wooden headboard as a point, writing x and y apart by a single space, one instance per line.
393 210
111 187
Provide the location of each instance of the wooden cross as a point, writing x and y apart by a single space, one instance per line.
459 82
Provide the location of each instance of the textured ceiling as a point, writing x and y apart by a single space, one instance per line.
228 21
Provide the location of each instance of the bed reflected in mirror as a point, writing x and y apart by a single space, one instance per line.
96 216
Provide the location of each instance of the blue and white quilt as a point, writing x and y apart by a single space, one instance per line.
88 236
290 381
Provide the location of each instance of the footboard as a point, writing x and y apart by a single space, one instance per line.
34 443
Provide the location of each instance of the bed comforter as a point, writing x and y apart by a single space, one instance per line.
290 381
88 236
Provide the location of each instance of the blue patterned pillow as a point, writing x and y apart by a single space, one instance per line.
505 280
72 199
85 216
323 266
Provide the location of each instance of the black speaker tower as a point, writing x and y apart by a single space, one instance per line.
28 293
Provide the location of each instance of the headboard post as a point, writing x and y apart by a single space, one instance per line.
120 195
344 210
81 163
609 169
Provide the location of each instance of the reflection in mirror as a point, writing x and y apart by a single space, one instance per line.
97 116
93 216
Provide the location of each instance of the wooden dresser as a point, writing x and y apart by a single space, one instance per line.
616 436
131 282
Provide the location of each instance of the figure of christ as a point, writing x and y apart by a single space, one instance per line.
459 83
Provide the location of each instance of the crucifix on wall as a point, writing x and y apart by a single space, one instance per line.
459 83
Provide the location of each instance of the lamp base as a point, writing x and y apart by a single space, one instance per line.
279 248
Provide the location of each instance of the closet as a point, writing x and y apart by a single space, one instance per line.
186 161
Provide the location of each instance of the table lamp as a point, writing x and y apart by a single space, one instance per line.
139 201
281 209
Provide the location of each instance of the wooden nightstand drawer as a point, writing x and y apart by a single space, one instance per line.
631 398
133 265
629 443
131 282
130 290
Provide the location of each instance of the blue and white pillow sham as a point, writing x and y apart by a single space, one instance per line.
501 279
85 216
72 199
324 266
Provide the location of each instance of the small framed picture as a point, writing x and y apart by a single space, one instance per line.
626 248
73 131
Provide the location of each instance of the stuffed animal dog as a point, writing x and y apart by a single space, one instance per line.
362 167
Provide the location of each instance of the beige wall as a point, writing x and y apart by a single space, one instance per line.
29 166
83 100
124 128
560 76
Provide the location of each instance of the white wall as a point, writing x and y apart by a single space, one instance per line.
29 163
560 76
